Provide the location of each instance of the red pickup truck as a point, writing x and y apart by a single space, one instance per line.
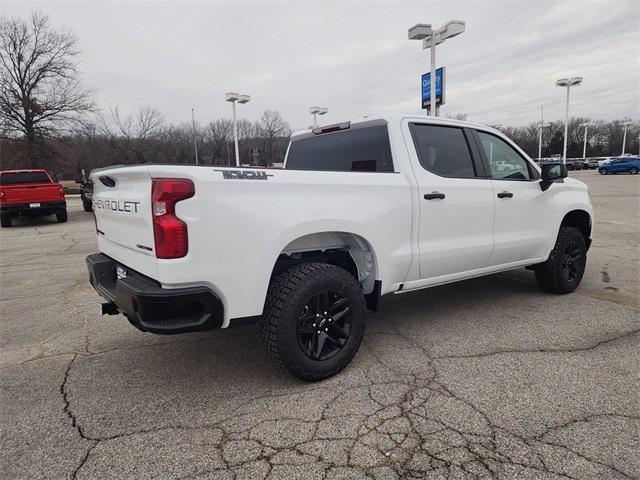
30 193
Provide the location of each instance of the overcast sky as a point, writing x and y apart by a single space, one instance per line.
354 58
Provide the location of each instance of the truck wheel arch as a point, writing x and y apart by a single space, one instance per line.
343 249
581 220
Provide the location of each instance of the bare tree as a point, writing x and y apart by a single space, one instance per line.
133 134
40 90
272 127
216 138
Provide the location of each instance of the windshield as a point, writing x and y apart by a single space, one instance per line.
14 178
364 149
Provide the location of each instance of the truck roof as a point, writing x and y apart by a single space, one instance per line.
409 113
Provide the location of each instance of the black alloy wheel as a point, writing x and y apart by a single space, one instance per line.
325 325
572 262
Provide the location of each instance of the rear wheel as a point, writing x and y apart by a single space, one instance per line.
314 320
5 220
61 215
563 270
87 205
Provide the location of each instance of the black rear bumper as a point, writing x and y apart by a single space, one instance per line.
148 306
45 208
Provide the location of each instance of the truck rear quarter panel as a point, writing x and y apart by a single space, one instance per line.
238 227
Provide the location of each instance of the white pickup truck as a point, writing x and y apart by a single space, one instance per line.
360 210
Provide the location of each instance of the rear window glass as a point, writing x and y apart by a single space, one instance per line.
14 178
364 149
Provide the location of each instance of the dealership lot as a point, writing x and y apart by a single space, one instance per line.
486 378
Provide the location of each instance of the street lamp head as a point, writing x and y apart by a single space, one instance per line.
569 82
451 29
244 98
231 96
628 124
318 110
420 31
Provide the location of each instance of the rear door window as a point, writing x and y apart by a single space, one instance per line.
360 149
443 150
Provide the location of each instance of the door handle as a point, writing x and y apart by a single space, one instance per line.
505 194
433 196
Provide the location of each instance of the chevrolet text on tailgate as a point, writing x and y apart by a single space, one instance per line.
361 210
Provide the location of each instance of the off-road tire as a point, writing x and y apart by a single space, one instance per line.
287 296
87 205
61 215
551 275
5 220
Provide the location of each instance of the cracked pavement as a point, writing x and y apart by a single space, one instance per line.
489 378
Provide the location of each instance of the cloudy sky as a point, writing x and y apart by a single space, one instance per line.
354 57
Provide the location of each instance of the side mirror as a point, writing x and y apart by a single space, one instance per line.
552 172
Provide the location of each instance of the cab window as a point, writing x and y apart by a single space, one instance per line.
505 162
443 150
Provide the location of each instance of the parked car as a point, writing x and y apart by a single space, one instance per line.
593 162
605 160
30 193
626 164
347 220
576 164
86 195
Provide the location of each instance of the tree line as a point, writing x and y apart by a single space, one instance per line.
145 137
604 139
49 120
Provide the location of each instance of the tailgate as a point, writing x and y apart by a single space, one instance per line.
30 193
122 206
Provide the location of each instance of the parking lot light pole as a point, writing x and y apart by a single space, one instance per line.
233 98
584 149
317 111
624 137
568 83
430 38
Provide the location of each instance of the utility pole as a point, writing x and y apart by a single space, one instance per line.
195 141
624 137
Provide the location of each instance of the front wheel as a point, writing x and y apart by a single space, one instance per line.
633 170
563 270
602 171
313 320
61 215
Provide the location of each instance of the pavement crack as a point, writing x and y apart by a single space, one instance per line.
541 350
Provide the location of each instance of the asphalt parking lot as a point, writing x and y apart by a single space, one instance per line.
490 378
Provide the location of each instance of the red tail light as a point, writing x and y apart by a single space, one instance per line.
169 232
